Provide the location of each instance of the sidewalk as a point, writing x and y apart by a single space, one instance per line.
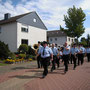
28 77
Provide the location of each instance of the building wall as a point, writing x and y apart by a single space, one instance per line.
33 35
9 35
70 40
61 40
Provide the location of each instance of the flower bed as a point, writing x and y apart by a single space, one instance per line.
11 61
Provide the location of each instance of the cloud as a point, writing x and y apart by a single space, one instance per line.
85 4
50 11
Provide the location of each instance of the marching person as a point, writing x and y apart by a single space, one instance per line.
88 53
66 53
73 54
46 55
80 54
55 60
39 62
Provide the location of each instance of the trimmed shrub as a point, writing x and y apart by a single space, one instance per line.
22 56
23 48
31 51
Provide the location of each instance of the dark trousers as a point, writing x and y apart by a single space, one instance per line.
45 63
39 61
65 59
57 62
74 60
80 58
88 57
53 63
71 58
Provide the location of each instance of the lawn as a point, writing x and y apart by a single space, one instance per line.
2 64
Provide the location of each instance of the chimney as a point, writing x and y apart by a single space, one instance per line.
7 16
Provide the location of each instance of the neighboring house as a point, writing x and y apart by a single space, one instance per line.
59 37
22 29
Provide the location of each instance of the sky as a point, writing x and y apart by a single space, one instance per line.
50 11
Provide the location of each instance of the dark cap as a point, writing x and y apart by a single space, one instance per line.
39 42
44 42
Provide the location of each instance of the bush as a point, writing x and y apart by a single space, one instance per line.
30 56
23 48
22 56
4 50
31 51
12 55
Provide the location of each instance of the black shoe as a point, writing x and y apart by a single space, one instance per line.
51 70
43 76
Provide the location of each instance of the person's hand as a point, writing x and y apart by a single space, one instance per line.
51 59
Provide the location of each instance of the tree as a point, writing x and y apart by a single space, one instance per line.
23 48
4 50
88 39
74 22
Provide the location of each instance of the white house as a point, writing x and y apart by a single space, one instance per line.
22 29
59 37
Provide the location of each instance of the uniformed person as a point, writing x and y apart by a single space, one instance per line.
73 54
46 55
66 53
80 54
55 60
39 62
88 53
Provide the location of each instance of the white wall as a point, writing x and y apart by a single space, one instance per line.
34 34
9 35
60 40
69 40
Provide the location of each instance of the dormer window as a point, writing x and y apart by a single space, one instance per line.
34 20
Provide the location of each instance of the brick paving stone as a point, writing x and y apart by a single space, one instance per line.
78 79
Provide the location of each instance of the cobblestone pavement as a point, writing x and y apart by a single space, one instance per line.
27 77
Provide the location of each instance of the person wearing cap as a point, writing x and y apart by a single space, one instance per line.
73 54
55 53
46 55
66 53
88 53
39 57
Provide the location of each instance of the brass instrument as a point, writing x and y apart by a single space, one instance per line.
36 47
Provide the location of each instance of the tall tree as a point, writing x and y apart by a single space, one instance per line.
74 22
88 39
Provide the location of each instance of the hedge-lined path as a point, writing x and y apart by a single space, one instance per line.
26 76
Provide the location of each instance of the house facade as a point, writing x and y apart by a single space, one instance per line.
59 37
22 29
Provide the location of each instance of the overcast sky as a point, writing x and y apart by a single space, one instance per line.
50 11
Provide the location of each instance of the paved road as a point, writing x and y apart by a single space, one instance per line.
27 77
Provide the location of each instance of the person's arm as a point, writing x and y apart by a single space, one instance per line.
51 57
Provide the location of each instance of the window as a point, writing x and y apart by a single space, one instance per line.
55 39
50 39
68 39
72 40
34 20
0 29
24 41
23 29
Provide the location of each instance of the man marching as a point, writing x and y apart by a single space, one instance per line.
55 52
66 53
73 54
46 55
